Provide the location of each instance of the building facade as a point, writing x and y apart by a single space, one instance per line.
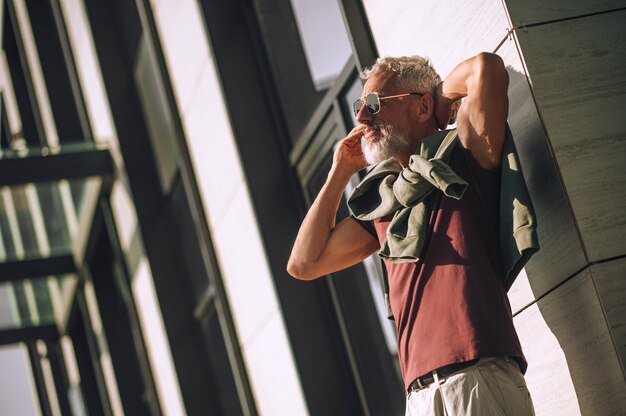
158 156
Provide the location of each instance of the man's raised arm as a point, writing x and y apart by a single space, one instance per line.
481 121
322 247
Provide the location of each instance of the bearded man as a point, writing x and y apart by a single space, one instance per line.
450 216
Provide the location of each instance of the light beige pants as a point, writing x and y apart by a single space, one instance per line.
494 386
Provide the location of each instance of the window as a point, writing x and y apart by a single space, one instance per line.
324 37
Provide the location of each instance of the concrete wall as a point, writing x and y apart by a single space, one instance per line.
575 63
567 93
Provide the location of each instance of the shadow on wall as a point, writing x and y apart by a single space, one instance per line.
557 274
561 255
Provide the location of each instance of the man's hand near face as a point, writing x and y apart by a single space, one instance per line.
348 158
321 246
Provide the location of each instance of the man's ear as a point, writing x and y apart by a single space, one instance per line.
426 108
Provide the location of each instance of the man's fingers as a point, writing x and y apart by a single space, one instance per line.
353 141
354 136
357 131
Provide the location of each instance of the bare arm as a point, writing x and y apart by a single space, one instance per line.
322 247
481 120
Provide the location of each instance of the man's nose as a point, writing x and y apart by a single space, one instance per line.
363 116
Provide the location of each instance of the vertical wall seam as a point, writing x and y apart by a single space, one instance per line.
608 325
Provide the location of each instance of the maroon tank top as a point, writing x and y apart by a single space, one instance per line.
451 306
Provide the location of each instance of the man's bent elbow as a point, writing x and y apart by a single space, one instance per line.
491 66
489 60
299 271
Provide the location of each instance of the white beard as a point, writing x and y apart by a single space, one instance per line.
390 142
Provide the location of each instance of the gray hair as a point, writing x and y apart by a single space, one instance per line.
415 73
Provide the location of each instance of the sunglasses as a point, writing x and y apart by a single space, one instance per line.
372 102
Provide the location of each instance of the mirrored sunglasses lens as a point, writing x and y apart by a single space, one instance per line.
373 105
356 107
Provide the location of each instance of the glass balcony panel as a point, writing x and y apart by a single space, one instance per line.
48 197
36 302
40 220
